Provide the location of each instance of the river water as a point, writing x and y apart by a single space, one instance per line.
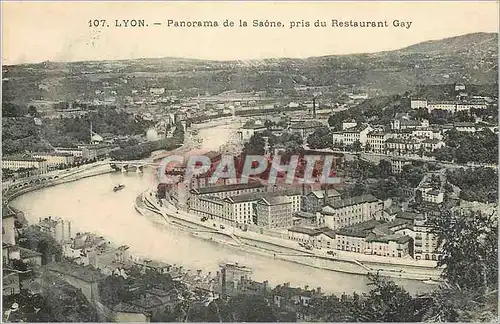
91 205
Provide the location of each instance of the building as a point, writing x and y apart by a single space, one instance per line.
229 190
434 196
418 103
449 106
349 124
250 128
286 297
58 228
355 134
77 153
402 146
375 238
96 151
305 128
351 211
431 145
354 237
426 242
466 127
25 162
303 218
84 278
315 200
397 164
233 278
402 123
375 141
395 246
8 226
274 212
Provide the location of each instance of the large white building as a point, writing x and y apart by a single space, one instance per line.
351 135
56 158
25 162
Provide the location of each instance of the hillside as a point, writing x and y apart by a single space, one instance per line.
471 59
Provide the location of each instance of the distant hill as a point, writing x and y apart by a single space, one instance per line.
470 59
481 42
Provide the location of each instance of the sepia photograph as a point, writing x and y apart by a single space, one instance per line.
223 161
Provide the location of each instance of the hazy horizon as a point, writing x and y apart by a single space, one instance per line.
58 32
248 60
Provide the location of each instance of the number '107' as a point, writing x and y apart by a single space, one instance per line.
97 23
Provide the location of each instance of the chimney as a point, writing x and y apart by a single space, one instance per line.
318 290
306 287
198 272
314 108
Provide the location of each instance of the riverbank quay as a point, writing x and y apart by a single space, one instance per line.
280 248
38 183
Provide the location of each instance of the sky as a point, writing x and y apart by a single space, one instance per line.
35 31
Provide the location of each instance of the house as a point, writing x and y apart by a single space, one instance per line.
305 128
397 164
250 128
431 195
351 211
432 144
375 141
55 159
351 135
25 162
418 103
302 218
274 212
84 278
314 200
285 296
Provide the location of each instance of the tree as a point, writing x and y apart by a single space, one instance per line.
356 146
469 244
255 146
32 111
386 302
321 138
251 308
385 169
469 249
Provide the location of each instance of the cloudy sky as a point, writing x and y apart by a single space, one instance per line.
35 32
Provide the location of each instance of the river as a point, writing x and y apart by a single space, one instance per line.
91 205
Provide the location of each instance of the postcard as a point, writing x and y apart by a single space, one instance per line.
250 161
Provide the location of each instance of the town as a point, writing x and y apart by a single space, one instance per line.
415 196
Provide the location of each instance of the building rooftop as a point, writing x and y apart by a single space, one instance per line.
217 189
275 200
26 253
320 194
254 124
25 157
311 231
307 124
303 214
351 201
84 273
359 230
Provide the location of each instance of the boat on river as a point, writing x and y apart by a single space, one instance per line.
118 187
